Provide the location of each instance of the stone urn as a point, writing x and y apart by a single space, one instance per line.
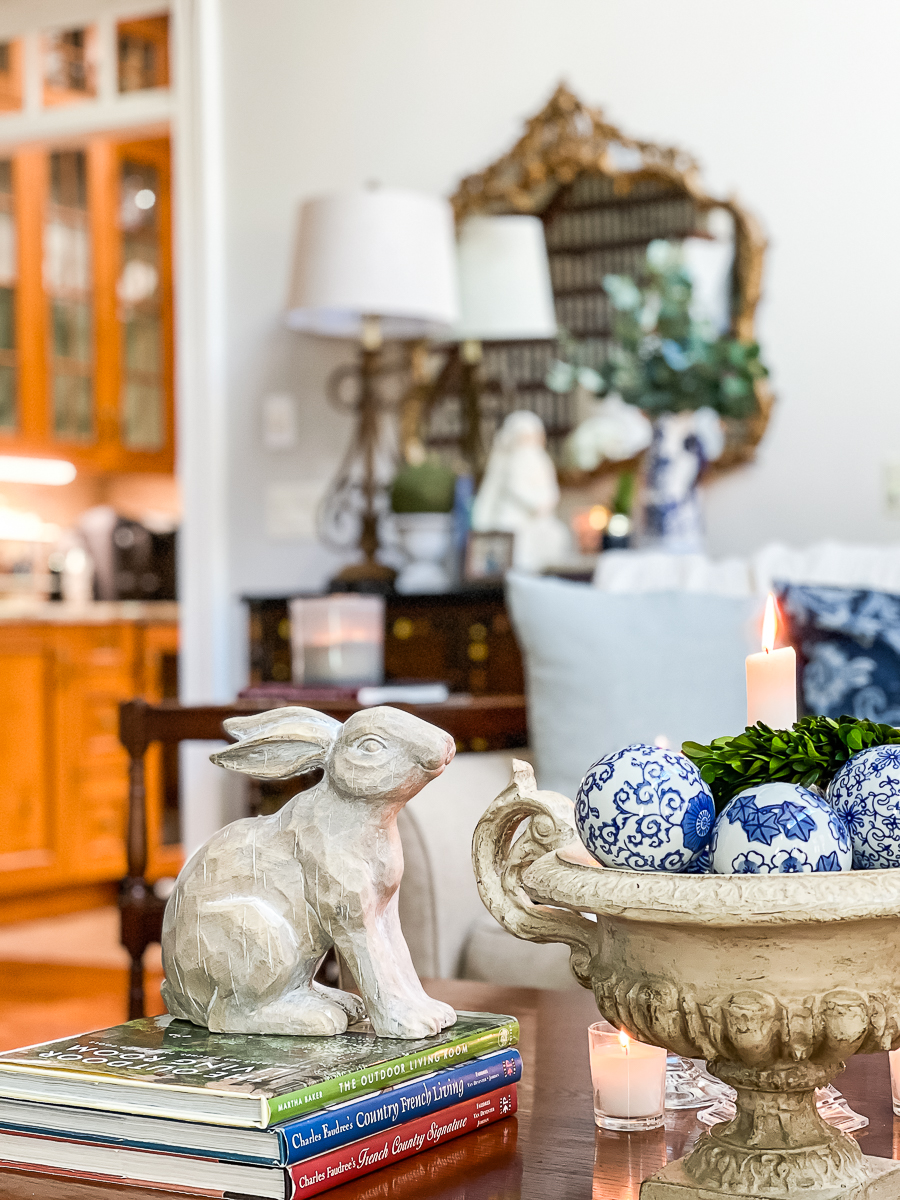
774 979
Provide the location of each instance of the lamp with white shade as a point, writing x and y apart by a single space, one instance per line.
371 264
505 292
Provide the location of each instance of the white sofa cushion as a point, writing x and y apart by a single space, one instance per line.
492 955
655 571
831 564
606 669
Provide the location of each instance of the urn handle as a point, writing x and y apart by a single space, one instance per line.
500 859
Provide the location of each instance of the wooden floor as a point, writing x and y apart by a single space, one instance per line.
40 1001
64 976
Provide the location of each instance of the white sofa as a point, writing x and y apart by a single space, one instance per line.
449 932
655 648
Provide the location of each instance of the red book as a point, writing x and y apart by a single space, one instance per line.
339 1166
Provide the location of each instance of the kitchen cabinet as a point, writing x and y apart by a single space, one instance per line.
86 351
63 771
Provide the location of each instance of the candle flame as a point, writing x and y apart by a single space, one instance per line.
624 1040
770 625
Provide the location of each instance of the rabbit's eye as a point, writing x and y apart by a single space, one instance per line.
370 745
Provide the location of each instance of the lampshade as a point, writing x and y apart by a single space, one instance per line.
504 280
378 252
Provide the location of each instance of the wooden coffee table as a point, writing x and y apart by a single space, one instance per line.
551 1150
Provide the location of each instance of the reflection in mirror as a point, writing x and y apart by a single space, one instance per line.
603 197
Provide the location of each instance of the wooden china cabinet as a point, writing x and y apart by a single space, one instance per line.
86 355
86 374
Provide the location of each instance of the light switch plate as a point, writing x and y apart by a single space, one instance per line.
279 421
892 487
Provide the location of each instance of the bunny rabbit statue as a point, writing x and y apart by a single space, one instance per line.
256 908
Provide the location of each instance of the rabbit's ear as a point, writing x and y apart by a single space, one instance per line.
278 744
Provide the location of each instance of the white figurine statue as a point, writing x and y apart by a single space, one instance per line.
256 908
519 494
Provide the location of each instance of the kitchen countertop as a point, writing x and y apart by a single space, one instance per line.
26 610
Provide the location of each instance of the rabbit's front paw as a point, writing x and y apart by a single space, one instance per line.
413 1020
443 1012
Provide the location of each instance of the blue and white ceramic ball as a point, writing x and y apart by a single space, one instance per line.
866 794
779 828
644 809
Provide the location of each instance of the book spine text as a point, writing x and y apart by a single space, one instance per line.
371 1154
396 1070
370 1115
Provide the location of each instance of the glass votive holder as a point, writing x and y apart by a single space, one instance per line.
894 1059
337 640
629 1080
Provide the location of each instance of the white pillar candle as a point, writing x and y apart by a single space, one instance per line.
772 679
629 1078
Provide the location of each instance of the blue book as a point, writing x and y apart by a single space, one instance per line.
282 1144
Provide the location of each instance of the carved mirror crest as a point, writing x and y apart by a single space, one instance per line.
603 197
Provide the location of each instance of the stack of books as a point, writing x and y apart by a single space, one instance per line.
162 1103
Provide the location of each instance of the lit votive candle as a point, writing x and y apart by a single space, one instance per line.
629 1080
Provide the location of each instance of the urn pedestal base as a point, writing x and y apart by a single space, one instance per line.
777 1147
882 1182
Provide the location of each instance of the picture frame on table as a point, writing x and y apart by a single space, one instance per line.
489 555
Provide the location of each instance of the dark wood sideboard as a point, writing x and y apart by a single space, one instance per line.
463 638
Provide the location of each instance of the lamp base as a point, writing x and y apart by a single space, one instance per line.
366 576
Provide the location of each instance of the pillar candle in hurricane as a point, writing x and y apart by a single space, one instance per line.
772 678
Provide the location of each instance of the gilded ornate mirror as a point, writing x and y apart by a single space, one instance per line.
603 197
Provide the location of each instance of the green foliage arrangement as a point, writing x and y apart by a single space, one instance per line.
810 753
662 360
425 487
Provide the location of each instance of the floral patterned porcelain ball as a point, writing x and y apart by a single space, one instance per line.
866 794
779 828
644 809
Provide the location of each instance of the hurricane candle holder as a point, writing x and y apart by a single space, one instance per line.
337 640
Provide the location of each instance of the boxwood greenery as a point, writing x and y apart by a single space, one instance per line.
811 752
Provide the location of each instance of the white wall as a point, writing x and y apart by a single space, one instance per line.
795 106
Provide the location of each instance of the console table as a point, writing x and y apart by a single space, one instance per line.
551 1150
463 638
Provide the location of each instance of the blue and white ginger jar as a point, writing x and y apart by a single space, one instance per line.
866 794
779 828
644 809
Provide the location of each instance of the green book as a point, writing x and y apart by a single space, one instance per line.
163 1067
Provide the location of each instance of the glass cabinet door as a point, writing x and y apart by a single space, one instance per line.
139 295
86 341
67 285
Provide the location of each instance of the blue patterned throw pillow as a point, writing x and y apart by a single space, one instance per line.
848 648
